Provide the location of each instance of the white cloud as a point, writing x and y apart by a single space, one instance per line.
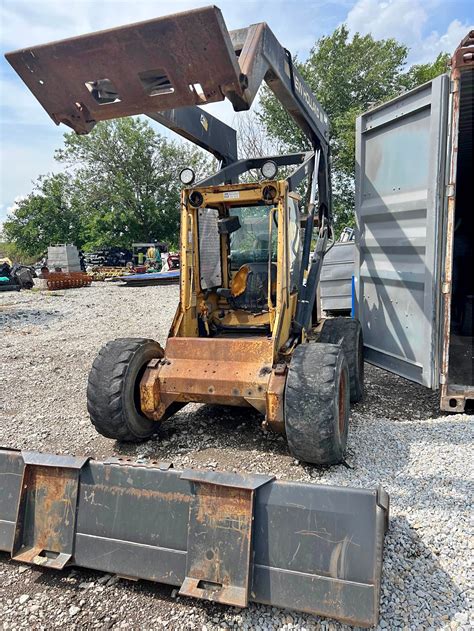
406 21
400 19
447 42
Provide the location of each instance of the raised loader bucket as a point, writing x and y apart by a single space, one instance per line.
170 62
219 536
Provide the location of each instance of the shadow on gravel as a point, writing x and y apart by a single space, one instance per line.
416 592
207 427
18 317
396 398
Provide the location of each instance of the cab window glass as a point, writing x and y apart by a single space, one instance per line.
251 242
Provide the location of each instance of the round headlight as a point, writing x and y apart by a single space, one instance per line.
187 176
269 169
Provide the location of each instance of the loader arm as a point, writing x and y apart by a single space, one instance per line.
203 129
166 63
164 67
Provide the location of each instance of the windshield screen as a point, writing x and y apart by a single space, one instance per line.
250 243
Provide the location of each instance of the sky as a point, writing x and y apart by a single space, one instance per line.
28 137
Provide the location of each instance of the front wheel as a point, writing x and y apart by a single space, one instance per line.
113 389
317 403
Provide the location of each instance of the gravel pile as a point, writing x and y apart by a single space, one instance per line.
398 438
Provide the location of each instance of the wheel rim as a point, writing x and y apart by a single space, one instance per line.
136 391
342 402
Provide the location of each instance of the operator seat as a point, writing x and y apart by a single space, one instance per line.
249 290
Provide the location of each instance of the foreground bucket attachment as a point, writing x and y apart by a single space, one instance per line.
223 537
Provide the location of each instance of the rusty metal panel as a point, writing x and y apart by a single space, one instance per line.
274 418
400 165
45 521
241 349
174 61
67 280
230 371
313 548
220 536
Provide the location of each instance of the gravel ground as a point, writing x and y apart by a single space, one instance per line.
397 438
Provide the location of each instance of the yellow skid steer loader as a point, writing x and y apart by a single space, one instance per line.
247 332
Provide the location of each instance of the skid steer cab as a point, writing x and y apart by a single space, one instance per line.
247 331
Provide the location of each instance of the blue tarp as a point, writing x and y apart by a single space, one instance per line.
154 278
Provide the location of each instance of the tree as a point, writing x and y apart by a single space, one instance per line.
121 185
421 73
127 178
253 138
347 76
45 216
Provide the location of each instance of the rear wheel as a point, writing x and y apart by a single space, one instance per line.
317 403
113 389
348 333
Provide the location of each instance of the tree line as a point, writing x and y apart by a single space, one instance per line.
120 182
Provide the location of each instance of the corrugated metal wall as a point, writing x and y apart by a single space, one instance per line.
400 157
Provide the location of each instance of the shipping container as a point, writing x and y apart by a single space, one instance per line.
414 239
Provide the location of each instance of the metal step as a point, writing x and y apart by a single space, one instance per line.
219 536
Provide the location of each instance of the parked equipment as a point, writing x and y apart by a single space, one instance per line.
247 332
337 276
142 254
415 254
64 280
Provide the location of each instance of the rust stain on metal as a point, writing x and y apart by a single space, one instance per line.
47 512
174 61
132 491
274 418
204 370
67 280
224 508
219 544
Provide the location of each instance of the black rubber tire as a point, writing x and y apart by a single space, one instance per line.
113 389
317 403
348 333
